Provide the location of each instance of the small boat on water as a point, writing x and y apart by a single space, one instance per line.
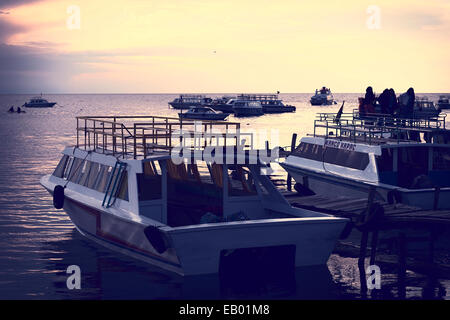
203 113
183 212
38 102
270 102
401 158
443 102
186 101
245 108
322 97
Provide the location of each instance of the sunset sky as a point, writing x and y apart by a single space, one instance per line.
170 46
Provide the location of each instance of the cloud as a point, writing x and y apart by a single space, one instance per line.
8 4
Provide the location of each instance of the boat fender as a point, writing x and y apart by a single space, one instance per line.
374 216
394 195
58 197
157 238
347 230
302 190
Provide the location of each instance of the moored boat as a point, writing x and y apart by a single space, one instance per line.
443 102
186 101
203 113
245 108
405 159
183 212
322 97
269 102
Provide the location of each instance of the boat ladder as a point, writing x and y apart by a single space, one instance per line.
114 182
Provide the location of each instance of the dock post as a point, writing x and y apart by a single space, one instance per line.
289 178
361 263
401 265
373 247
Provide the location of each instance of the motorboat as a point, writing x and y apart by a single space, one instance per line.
403 159
38 102
203 113
425 108
151 195
224 104
443 102
270 102
322 97
186 101
244 108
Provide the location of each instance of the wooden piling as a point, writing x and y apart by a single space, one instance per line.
293 145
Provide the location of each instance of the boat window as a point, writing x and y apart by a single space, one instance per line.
85 173
123 190
76 171
340 157
68 168
385 162
105 172
93 175
59 171
441 158
149 183
346 158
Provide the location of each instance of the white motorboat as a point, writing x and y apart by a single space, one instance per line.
129 194
203 113
38 102
245 108
224 104
186 101
406 160
322 97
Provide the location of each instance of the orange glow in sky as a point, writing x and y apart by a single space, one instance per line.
139 46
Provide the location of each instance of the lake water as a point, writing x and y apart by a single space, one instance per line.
38 242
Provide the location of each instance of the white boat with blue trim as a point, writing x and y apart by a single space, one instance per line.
403 160
122 187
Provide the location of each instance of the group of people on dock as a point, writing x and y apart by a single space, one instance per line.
387 103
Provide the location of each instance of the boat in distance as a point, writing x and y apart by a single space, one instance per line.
322 97
38 102
247 108
443 102
269 102
186 101
203 113
179 212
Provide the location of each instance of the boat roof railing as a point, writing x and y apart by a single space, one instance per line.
192 96
137 137
375 129
245 96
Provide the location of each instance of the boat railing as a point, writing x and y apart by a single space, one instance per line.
375 128
245 96
141 136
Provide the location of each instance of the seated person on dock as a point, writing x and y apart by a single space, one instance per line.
406 103
383 100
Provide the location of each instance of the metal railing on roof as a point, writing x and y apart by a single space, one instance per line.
376 128
141 136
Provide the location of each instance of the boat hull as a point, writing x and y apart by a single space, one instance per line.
245 112
39 105
280 109
197 249
184 106
218 116
325 184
